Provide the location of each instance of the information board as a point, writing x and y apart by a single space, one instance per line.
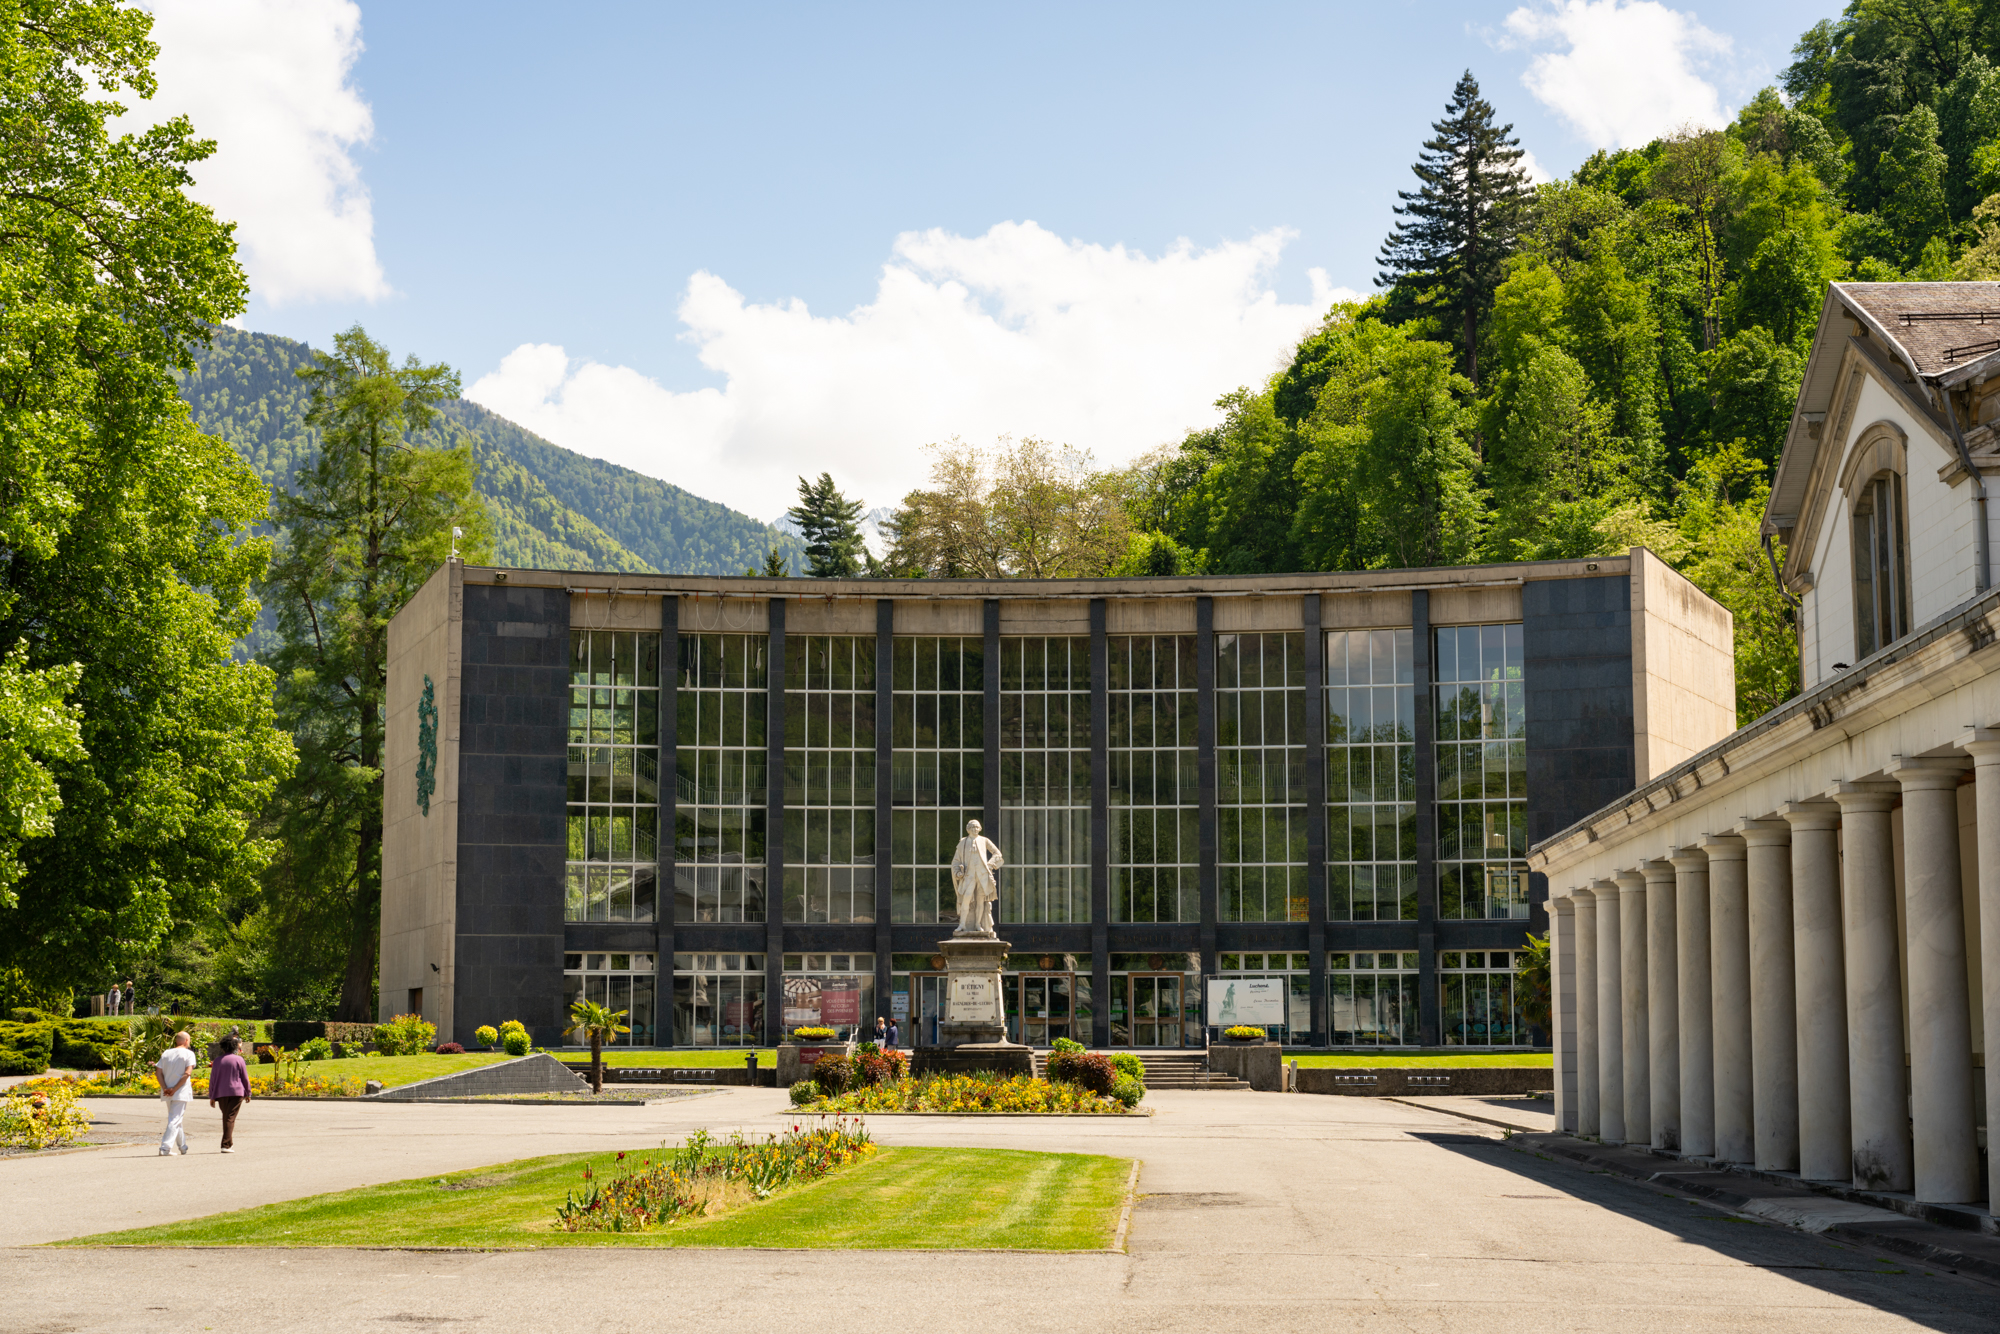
1256 1001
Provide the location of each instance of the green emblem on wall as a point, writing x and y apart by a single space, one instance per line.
427 747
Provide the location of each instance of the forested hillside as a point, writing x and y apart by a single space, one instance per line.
549 507
1609 359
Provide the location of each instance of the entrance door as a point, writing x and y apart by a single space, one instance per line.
1046 1008
1155 1009
927 994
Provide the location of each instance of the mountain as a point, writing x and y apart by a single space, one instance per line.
551 508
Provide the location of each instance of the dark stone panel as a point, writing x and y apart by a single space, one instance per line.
1315 664
1100 821
1205 781
721 937
1577 657
842 938
514 697
637 936
1169 937
1482 935
1063 939
885 661
1342 937
774 818
1232 936
920 938
1430 1019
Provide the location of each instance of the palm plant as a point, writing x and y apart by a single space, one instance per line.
596 1023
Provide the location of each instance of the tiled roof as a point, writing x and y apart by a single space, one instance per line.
1941 326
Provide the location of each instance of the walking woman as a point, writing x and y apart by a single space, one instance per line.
229 1089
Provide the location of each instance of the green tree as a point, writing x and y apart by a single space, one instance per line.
367 522
1416 467
830 524
1462 220
599 1025
1911 174
126 548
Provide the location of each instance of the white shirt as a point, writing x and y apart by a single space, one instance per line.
176 1062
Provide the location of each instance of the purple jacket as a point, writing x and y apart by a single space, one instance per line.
229 1079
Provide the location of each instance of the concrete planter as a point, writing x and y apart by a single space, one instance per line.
1258 1064
796 1060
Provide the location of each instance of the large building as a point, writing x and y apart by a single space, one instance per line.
1785 951
725 805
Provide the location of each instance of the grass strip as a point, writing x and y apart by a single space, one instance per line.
896 1199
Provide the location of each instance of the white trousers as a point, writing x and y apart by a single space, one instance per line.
175 1136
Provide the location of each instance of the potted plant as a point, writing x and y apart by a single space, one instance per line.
1243 1033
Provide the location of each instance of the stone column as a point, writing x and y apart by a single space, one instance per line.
1878 1084
1663 1003
1729 962
1632 1007
1562 1005
1697 1035
1774 1039
1821 1009
1946 1156
1610 1009
1984 747
1588 1030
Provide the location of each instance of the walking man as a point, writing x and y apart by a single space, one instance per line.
175 1071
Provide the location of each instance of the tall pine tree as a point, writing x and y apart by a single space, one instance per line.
1462 220
829 523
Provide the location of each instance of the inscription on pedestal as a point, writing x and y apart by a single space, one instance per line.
974 998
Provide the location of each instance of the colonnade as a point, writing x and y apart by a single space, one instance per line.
1743 998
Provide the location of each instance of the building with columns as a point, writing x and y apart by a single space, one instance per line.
1785 951
726 805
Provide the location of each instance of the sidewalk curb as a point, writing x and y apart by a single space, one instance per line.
1947 1248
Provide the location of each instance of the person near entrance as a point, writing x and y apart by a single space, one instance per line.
175 1071
972 868
881 1034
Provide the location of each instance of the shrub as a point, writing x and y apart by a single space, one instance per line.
834 1074
1130 1066
513 1026
812 1033
1067 1044
874 1066
803 1092
486 1036
79 1045
347 1049
450 1049
516 1042
1088 1070
297 1033
1128 1091
28 1014
1242 1031
25 1049
405 1035
316 1049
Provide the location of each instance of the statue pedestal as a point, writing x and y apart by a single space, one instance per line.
973 1033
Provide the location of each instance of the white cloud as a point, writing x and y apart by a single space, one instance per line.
1630 71
1537 173
1015 332
268 80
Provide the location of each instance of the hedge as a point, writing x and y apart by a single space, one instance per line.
24 1048
294 1033
82 1046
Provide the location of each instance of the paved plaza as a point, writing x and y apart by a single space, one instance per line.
1258 1210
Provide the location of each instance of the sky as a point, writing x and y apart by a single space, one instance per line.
730 245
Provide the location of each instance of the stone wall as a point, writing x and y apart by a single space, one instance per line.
1477 1081
539 1073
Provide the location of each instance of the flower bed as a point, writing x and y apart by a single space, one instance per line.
971 1093
41 1114
701 1178
145 1086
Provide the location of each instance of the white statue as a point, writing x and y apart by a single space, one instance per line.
972 868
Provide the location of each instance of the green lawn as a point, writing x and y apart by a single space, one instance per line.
391 1070
897 1199
1531 1060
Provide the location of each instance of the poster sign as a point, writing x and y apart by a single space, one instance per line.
1246 1000
801 1002
899 1006
840 1001
974 999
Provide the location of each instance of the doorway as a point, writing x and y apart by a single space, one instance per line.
1154 1004
1040 1007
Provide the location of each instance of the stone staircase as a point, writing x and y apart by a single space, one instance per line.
1171 1070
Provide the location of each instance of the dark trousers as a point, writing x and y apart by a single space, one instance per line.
230 1107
